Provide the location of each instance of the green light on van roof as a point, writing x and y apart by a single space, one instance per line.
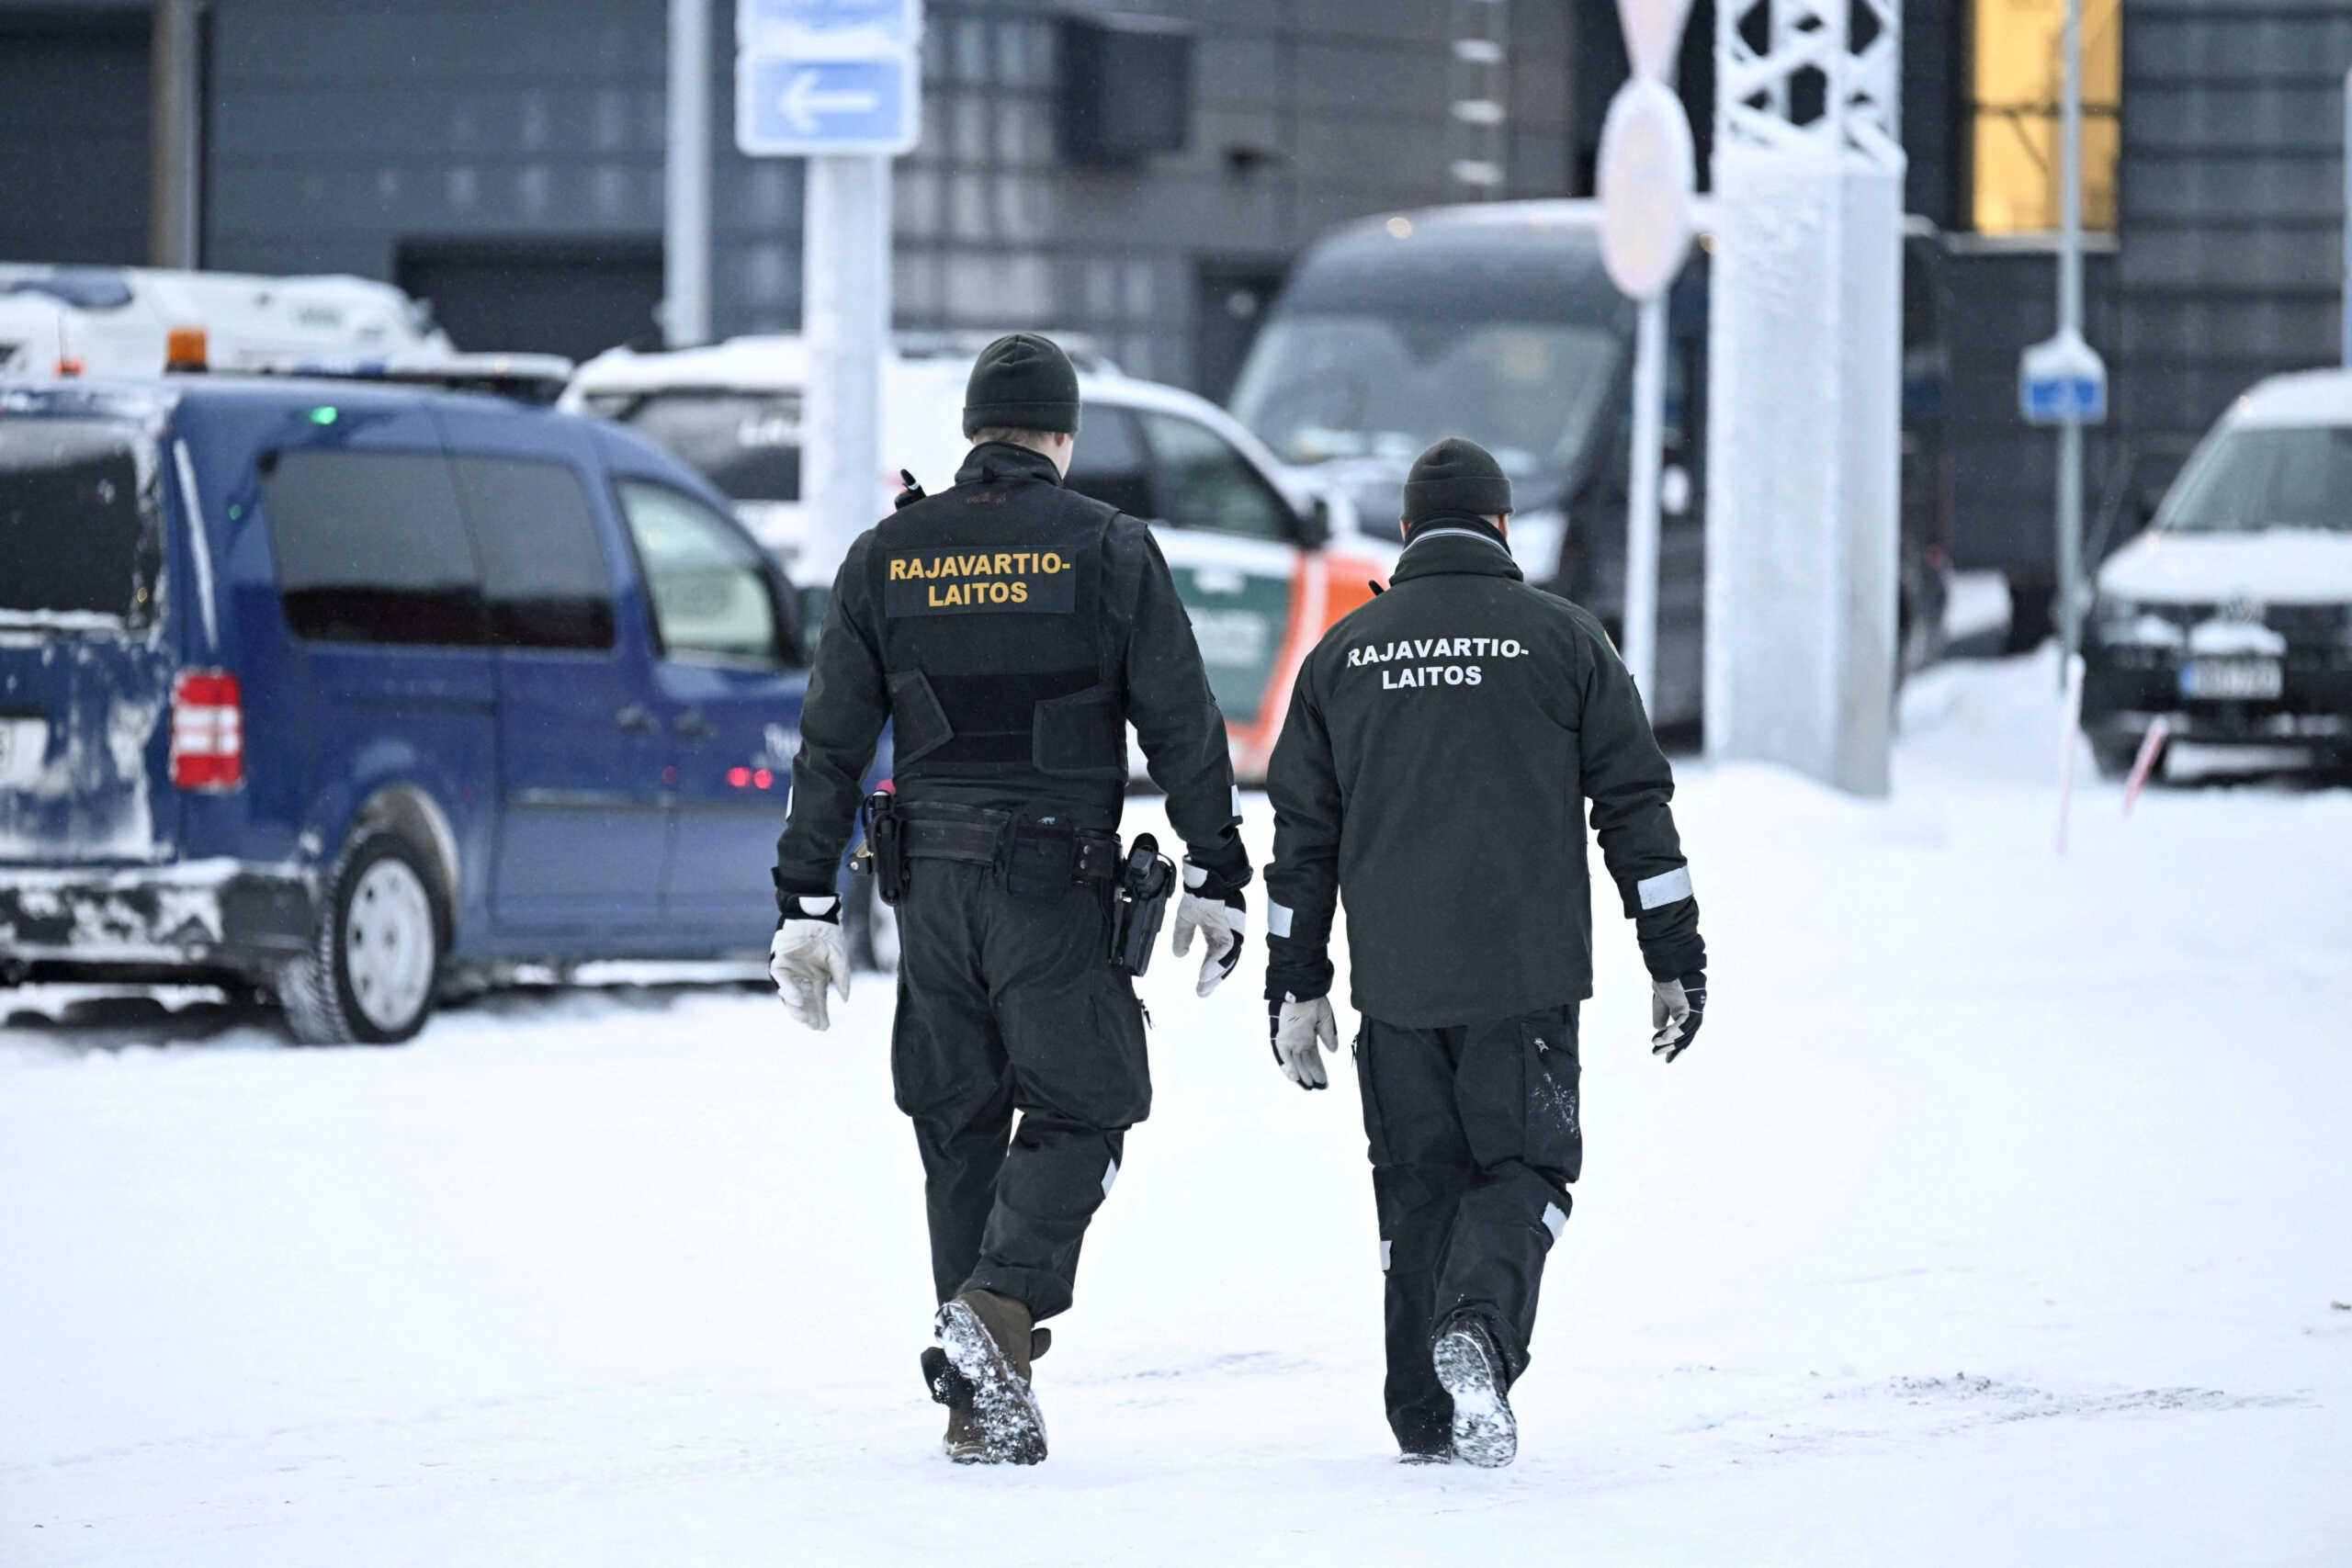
323 415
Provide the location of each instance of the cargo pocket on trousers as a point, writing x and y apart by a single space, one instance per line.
1081 736
1555 1128
919 724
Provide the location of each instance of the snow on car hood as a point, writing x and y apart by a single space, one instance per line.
2276 565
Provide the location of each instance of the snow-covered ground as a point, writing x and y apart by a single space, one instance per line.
1998 1217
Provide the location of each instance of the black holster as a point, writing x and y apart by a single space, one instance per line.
1139 902
884 858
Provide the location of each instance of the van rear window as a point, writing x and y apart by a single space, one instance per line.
371 547
77 534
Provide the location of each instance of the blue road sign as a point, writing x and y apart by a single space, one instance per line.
2062 379
792 107
896 22
818 77
2082 398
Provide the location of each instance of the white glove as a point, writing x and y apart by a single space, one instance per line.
1222 923
1676 1008
1302 1032
807 955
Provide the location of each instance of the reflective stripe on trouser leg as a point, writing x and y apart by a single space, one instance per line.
1494 1261
1415 1208
1055 1176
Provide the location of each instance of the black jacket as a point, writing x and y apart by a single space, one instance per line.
1127 601
1440 743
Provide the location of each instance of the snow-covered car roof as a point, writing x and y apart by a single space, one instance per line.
2301 398
779 363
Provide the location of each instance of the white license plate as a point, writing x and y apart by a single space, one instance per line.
2231 680
24 744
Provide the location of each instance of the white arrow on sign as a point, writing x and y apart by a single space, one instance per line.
803 103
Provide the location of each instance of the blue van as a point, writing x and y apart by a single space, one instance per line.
343 693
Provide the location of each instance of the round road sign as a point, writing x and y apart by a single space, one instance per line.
1647 175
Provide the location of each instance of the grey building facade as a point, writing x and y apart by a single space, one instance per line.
505 160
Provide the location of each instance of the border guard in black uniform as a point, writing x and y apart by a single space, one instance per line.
1440 744
1011 631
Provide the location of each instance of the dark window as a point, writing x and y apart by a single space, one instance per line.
712 595
576 296
1211 485
76 534
1107 461
371 547
543 571
747 443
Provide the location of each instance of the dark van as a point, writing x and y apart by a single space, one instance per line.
342 693
1497 320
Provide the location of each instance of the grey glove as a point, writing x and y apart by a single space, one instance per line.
1676 1008
1301 1032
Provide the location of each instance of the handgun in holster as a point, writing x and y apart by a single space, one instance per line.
884 855
1139 902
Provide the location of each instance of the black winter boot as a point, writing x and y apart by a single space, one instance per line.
1485 1431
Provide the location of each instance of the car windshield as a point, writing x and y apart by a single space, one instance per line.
2250 480
747 443
1324 385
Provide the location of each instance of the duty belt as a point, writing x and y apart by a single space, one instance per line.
978 837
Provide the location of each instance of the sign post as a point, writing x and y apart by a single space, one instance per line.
837 82
1647 174
2063 382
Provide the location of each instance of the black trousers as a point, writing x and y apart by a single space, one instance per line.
1010 1006
1473 1140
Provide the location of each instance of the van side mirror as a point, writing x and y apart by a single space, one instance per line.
1314 524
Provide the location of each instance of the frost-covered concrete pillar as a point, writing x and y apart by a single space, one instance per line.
1806 392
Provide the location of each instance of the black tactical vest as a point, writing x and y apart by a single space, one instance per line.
995 639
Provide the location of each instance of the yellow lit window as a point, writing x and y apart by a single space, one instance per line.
2017 73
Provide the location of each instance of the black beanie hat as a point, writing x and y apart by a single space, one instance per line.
1453 478
1022 382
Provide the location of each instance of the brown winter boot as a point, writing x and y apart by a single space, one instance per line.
964 1444
987 1339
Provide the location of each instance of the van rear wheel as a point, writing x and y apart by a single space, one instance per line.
375 959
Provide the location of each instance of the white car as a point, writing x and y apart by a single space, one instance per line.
1265 560
117 322
2231 618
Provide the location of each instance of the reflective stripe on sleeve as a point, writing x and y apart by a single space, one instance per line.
1667 887
1277 920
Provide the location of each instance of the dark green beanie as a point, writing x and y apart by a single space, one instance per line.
1454 478
1022 382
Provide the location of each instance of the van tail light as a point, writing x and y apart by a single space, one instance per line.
208 730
